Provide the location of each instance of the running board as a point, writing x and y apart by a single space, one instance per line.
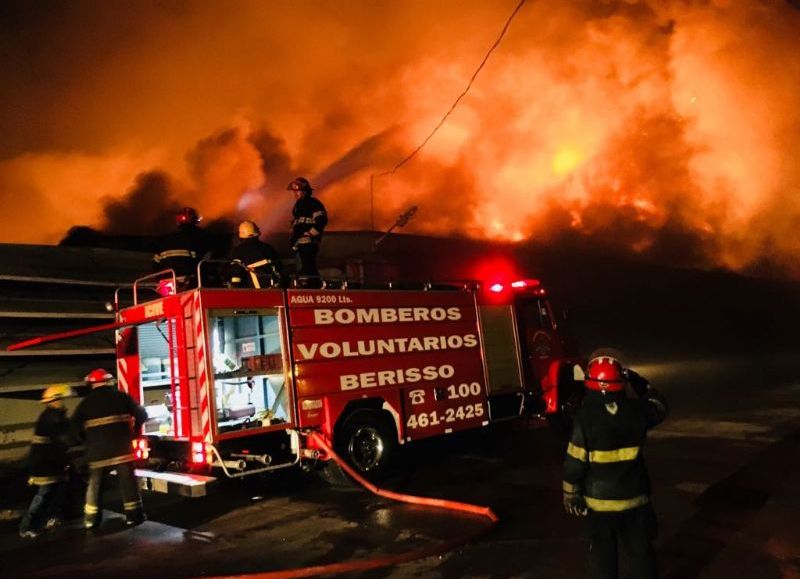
174 483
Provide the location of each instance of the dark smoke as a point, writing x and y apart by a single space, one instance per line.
148 208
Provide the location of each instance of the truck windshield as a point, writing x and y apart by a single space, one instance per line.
535 314
250 389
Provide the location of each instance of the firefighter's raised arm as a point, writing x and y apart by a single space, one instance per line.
656 407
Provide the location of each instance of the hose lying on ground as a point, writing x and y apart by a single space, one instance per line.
386 560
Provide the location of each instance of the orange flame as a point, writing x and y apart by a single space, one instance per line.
660 128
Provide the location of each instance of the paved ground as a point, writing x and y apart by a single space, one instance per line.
725 468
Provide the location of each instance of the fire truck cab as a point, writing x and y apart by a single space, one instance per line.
233 380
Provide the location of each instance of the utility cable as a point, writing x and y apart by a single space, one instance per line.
443 119
462 95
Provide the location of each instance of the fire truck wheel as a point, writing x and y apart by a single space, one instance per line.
367 441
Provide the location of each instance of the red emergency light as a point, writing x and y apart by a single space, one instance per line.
201 453
496 288
141 448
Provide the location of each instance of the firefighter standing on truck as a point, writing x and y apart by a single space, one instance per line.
259 265
182 249
105 417
309 219
49 461
605 477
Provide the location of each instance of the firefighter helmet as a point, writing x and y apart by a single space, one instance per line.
300 184
56 392
99 377
605 374
248 229
187 216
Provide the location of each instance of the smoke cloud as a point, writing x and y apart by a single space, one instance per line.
665 129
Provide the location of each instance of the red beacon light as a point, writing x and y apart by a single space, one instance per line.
496 288
532 285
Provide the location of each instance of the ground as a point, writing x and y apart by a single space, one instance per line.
725 467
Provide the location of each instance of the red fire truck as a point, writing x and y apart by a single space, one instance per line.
234 379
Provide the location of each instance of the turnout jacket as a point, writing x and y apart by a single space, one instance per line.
260 259
182 250
104 417
605 461
52 437
309 219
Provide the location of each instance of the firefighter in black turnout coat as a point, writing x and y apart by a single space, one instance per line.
106 417
605 477
182 249
309 219
257 264
48 461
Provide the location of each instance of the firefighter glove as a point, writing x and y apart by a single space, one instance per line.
637 382
575 505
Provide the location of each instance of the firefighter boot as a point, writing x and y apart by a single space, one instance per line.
135 517
92 517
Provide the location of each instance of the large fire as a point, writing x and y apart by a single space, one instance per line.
663 128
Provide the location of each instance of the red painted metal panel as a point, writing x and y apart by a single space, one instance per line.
432 410
128 372
349 342
222 298
371 374
299 299
398 346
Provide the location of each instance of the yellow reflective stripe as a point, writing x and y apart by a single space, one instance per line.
132 505
40 439
313 232
44 480
317 214
176 253
258 264
90 509
576 451
615 505
254 279
618 455
93 422
304 241
570 488
112 461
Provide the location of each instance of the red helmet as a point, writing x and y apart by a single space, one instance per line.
300 184
187 216
605 374
98 376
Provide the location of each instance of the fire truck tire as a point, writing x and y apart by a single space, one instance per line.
367 441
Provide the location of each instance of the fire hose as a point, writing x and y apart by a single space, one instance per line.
386 560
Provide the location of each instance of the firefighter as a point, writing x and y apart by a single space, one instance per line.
257 263
605 477
309 219
105 417
184 248
49 461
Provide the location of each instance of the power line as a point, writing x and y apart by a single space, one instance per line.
465 91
